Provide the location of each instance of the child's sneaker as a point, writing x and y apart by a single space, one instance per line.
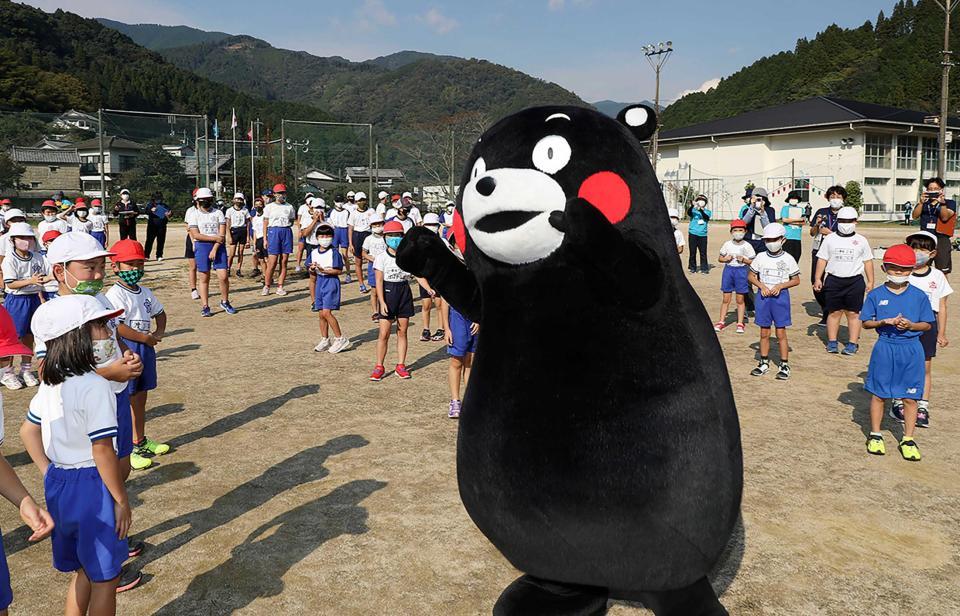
11 381
298 270
762 368
128 580
741 328
205 312
833 346
718 326
348 279
377 374
363 289
784 373
923 417
402 371
454 412
909 449
153 447
896 410
425 335
139 462
281 291
875 445
239 273
265 291
228 308
340 344
438 335
194 294
322 346
851 349
29 378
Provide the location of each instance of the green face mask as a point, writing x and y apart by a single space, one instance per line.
83 287
131 277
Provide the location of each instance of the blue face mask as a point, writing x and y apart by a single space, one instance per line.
393 242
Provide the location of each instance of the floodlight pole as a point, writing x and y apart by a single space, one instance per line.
283 158
103 180
657 55
370 163
947 6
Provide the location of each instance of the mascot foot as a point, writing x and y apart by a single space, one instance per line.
530 596
697 599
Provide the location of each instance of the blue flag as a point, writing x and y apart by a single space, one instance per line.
216 129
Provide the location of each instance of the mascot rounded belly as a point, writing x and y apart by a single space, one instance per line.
599 447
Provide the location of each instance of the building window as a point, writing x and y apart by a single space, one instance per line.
953 156
54 169
874 207
126 162
905 182
877 151
875 181
907 153
931 154
34 184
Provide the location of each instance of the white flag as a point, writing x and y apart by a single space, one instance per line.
233 120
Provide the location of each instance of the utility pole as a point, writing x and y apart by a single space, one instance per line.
453 162
947 6
103 179
657 56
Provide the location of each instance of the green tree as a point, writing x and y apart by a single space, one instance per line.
154 171
854 195
10 172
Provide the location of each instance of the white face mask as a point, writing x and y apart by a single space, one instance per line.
922 257
377 230
95 210
739 235
124 198
700 203
339 206
49 217
105 351
847 228
775 246
82 213
674 222
897 280
324 242
794 201
836 204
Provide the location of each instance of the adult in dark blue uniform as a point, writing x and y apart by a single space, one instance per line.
823 224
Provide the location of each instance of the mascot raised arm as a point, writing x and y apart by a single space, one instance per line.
598 447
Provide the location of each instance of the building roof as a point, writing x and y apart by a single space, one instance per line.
383 174
44 156
812 112
52 144
189 163
109 142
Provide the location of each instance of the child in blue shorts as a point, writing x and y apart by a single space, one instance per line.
24 274
327 263
461 336
736 255
373 246
773 272
70 434
900 313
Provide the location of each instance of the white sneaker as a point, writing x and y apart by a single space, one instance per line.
160 259
11 381
323 346
266 291
194 294
298 270
281 291
29 379
340 344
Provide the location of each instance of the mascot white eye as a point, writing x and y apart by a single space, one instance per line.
479 168
551 154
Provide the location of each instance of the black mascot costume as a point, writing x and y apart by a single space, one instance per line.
599 447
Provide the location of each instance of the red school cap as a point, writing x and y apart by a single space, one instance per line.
900 255
9 342
127 250
738 224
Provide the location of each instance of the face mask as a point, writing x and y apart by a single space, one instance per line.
774 247
21 243
674 222
793 202
433 228
362 206
898 280
922 258
83 287
394 242
378 230
450 210
739 235
339 206
6 207
206 205
95 210
324 242
259 209
105 351
836 204
131 277
49 217
82 213
124 198
847 228
700 203
237 206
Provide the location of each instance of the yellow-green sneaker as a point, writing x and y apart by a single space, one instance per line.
138 462
875 445
155 448
909 449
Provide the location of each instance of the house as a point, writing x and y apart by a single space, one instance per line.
47 171
808 145
437 196
48 143
319 178
383 178
221 164
119 154
75 120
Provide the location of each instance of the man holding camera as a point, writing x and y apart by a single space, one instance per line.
938 215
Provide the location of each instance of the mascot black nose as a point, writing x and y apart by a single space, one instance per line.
486 185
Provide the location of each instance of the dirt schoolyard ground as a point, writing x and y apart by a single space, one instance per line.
297 486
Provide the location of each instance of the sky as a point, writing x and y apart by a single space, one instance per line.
592 47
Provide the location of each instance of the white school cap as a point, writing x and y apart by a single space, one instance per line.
360 196
203 193
920 233
376 218
13 213
773 230
75 246
318 203
847 212
382 194
431 219
407 195
65 313
673 213
21 229
238 195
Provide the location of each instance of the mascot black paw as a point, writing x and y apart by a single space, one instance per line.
599 447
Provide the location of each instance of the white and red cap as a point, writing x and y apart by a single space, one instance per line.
65 313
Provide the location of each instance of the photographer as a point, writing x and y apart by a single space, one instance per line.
938 215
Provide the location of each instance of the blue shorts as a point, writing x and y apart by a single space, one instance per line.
896 369
147 380
371 276
21 309
124 424
772 310
83 535
6 593
341 237
48 295
734 280
202 257
463 341
328 293
279 240
100 236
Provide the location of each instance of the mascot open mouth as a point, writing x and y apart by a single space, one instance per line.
504 221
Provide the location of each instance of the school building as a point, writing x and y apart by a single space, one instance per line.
808 145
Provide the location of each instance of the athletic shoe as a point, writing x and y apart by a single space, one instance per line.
851 348
11 381
823 321
160 259
239 273
205 312
154 448
29 378
139 462
265 291
740 328
438 335
784 373
896 410
194 294
281 291
425 335
692 271
718 326
256 272
314 308
340 344
402 371
322 346
909 450
454 412
875 445
134 548
128 580
705 271
228 308
923 418
762 368
363 289
377 374
833 347
348 279
298 270
375 317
